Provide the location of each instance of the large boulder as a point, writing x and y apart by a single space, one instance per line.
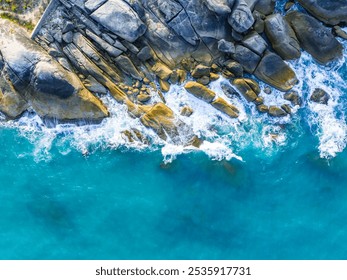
329 11
314 37
282 37
320 96
255 43
121 19
241 18
47 87
274 71
161 119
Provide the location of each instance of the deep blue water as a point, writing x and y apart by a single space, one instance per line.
126 205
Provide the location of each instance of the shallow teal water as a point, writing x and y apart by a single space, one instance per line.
125 205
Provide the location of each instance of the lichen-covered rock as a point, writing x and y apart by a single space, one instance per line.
314 37
121 19
201 71
162 71
282 37
161 119
329 11
200 91
225 107
274 71
248 88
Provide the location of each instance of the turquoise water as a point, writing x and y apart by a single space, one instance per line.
260 188
118 204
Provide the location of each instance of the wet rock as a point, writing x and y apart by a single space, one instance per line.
164 85
248 88
121 19
293 97
286 108
320 96
200 91
259 101
214 77
200 71
225 107
282 37
263 108
162 71
161 119
204 80
331 12
228 90
275 72
339 32
234 67
314 37
288 5
275 111
259 24
186 111
241 18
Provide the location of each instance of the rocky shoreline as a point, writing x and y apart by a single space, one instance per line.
136 50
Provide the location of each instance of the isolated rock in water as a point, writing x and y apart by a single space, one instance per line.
331 12
121 19
48 88
282 37
241 19
275 111
314 37
274 71
320 96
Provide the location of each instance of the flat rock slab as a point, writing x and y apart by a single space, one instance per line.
121 19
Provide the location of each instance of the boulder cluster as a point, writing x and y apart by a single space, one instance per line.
136 50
